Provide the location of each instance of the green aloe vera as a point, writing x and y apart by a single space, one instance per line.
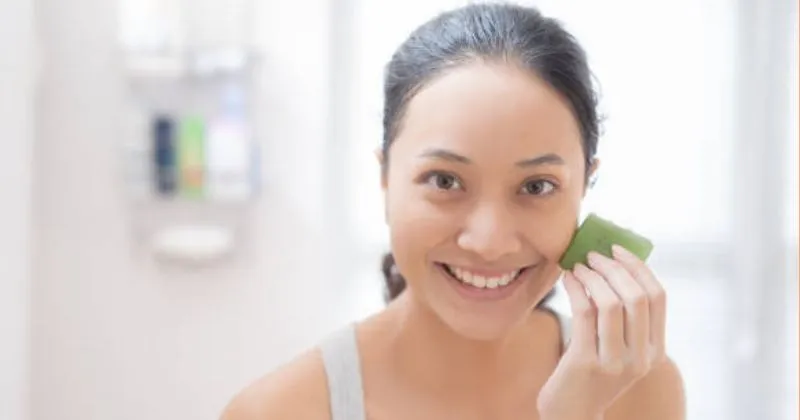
597 234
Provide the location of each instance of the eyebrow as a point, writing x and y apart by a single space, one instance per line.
443 154
546 159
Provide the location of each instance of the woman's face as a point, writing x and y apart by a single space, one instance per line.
483 192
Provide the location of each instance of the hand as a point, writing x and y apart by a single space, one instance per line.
619 318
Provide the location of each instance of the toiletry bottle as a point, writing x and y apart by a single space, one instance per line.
228 149
164 155
192 157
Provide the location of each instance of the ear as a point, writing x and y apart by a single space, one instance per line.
384 181
592 178
382 165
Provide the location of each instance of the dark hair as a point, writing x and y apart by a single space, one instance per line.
487 32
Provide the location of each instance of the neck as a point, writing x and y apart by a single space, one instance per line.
431 357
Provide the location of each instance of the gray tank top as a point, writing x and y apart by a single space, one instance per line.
343 370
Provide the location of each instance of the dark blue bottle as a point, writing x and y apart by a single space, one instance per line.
164 156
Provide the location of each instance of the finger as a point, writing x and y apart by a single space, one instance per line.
610 330
636 309
584 317
656 297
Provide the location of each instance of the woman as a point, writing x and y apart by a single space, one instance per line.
490 137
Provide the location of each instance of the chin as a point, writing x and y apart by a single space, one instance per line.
479 328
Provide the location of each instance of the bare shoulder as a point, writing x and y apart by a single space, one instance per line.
657 396
297 390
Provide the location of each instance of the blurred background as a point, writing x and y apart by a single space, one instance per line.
150 271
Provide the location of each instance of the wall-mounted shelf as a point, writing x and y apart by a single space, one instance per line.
187 231
190 144
204 64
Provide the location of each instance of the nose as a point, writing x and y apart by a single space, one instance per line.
490 232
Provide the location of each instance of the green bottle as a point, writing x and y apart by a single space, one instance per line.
191 157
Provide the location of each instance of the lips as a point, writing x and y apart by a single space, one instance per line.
481 279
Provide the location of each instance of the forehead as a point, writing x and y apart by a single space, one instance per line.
483 109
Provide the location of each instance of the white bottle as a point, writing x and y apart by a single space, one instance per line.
228 150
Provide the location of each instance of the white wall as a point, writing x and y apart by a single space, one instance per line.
116 336
16 129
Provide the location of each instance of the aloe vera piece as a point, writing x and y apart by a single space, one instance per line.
597 234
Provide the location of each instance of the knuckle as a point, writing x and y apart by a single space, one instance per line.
588 363
611 307
586 313
619 270
593 366
640 300
659 356
615 269
613 367
639 367
613 264
658 297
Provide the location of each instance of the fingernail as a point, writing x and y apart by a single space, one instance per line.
619 252
594 258
579 267
575 271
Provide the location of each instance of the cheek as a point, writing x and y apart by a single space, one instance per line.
415 227
551 231
411 214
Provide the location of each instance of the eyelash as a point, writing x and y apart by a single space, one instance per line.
552 185
431 179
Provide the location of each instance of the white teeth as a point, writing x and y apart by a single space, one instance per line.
482 282
468 277
505 279
464 276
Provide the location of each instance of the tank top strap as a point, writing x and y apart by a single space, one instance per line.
343 370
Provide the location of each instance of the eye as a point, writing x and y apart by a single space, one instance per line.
538 187
443 181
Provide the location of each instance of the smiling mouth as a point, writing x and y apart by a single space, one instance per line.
479 281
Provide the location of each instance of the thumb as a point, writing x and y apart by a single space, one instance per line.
584 322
